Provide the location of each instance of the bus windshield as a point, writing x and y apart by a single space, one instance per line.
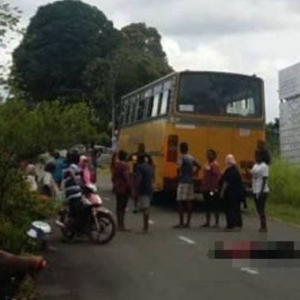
220 95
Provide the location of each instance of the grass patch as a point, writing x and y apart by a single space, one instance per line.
103 172
279 212
283 203
284 183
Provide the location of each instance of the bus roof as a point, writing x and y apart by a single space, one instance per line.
183 72
150 84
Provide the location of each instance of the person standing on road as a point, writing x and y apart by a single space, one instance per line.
232 193
31 178
210 187
144 179
49 187
187 167
134 158
260 188
122 185
59 166
140 152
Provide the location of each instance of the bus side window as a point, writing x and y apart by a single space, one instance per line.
166 97
157 97
165 102
125 113
141 107
150 107
160 103
132 110
155 105
135 110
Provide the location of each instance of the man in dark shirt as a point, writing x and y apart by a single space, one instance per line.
144 177
141 152
134 158
122 185
210 187
187 167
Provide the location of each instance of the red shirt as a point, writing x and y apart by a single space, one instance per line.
121 178
212 175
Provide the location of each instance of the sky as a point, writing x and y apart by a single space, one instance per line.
242 36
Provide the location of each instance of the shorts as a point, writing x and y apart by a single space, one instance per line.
144 202
122 201
185 192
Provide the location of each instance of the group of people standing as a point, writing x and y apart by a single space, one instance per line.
222 191
137 184
51 179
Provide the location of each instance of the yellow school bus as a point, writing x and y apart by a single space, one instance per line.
207 110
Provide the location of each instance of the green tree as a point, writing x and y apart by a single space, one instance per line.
147 40
61 41
139 60
9 21
24 134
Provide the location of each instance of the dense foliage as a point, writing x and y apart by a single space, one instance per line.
61 40
24 134
284 183
71 51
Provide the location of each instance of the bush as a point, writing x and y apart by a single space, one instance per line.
24 134
284 183
19 207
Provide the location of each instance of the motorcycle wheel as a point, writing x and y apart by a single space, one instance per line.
106 231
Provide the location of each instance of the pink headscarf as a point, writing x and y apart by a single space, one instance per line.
85 171
230 160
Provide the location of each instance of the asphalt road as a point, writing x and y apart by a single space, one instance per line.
168 264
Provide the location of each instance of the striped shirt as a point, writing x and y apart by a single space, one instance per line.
71 184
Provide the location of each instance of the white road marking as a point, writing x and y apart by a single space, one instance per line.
151 222
250 271
187 240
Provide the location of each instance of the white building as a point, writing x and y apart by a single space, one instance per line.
289 93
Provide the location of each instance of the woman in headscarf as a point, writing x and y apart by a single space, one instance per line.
31 178
232 192
85 172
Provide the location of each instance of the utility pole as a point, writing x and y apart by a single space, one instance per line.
113 107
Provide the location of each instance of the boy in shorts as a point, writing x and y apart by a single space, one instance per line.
187 167
144 174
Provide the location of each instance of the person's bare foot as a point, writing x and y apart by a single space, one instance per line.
178 226
206 225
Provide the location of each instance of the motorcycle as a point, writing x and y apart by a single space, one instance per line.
100 225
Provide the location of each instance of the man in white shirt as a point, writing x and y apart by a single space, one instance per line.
260 188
